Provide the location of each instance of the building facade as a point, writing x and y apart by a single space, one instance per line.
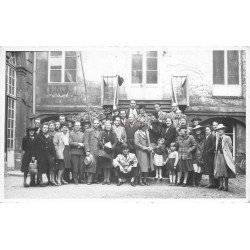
204 82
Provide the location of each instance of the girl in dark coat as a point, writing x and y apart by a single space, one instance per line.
108 142
44 151
29 155
208 156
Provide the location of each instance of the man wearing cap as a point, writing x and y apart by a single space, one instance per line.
126 166
76 143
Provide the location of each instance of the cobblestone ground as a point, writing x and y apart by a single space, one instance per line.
161 190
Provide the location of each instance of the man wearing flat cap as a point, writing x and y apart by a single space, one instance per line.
126 166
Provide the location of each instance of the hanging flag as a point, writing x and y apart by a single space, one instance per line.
120 80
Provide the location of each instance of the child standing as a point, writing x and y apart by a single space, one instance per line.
172 162
159 157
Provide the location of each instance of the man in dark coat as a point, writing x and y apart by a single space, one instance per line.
132 110
44 152
154 130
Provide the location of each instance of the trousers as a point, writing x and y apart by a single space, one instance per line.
77 166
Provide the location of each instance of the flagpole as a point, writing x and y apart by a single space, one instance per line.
86 92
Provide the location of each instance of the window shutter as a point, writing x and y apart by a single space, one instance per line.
233 66
218 67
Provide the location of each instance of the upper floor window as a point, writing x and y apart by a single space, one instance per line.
10 76
62 66
226 68
144 68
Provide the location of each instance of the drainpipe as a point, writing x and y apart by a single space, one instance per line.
34 85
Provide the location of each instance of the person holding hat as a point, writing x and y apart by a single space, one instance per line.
198 159
61 143
29 155
186 146
224 167
143 152
125 165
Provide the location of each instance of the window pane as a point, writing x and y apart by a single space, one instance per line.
70 53
151 76
136 62
233 67
55 61
152 53
70 62
70 75
55 76
151 63
56 53
136 76
218 67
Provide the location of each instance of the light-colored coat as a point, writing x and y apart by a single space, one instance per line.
227 151
142 142
59 145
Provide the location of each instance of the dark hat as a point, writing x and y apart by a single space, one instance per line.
182 127
31 128
124 146
196 118
64 124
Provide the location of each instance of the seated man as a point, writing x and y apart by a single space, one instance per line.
126 166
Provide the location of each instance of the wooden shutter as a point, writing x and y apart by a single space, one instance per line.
218 67
233 66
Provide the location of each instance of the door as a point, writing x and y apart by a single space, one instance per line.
145 82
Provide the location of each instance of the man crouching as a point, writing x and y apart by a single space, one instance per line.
126 166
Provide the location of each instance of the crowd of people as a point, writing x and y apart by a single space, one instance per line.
128 145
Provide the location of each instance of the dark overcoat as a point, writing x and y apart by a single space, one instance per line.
208 155
169 134
28 148
155 132
44 152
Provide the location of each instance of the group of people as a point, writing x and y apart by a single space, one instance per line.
128 145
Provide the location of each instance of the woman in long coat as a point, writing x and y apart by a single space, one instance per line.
224 167
92 147
29 154
208 156
143 152
108 141
44 152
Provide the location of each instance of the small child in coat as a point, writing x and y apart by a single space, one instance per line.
172 162
159 157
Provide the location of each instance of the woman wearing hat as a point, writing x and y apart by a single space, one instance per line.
187 146
198 159
108 142
224 167
61 143
143 152
29 155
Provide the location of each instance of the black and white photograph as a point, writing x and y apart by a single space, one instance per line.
132 122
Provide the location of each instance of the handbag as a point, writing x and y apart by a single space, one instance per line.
104 154
33 167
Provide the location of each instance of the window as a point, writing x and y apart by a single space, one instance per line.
11 98
145 67
226 73
62 66
226 67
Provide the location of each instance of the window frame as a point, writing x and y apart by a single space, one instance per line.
144 68
225 89
62 70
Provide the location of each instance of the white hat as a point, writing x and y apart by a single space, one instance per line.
221 126
197 127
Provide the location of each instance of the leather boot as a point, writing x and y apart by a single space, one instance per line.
41 183
226 185
221 184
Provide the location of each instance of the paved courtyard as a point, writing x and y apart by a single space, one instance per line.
13 189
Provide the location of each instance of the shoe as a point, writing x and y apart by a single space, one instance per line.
53 183
82 182
119 183
209 186
156 177
146 183
160 178
88 183
184 184
178 184
59 183
96 182
64 182
76 182
133 184
141 184
220 188
42 184
104 182
26 185
225 189
108 182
